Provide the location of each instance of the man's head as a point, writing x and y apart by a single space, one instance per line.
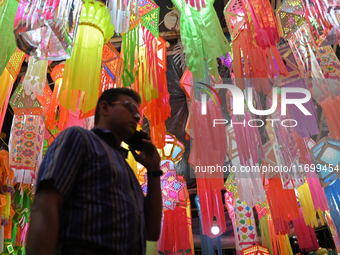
117 110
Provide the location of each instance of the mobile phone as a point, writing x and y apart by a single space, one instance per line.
136 140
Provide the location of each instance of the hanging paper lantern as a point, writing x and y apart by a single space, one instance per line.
47 31
152 85
149 11
50 120
245 223
290 16
8 8
82 71
198 36
128 14
176 232
326 154
170 185
229 201
254 34
235 17
27 136
7 80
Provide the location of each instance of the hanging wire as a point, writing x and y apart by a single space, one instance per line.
4 142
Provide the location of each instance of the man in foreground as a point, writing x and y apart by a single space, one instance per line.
88 200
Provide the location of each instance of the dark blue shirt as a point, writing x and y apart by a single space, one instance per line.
103 199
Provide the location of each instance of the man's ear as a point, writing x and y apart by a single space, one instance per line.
104 108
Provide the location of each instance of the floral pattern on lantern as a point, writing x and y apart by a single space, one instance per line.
26 146
27 136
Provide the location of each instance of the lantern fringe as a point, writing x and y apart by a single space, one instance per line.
307 206
331 108
284 247
305 234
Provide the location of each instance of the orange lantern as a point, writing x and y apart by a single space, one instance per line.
110 60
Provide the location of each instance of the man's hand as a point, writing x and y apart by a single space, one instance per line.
149 156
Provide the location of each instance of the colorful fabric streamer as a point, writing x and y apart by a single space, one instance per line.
282 204
333 197
307 207
175 231
268 233
305 235
201 34
7 80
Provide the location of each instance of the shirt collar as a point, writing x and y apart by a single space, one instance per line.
110 139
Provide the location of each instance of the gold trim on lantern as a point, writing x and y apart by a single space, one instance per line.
92 25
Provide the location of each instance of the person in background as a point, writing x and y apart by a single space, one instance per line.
88 200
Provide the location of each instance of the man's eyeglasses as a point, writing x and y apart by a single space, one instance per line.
130 106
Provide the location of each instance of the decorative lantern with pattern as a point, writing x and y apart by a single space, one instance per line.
256 250
27 136
326 154
110 59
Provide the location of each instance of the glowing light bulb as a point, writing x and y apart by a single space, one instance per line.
215 229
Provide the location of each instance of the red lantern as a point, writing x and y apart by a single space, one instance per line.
256 250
